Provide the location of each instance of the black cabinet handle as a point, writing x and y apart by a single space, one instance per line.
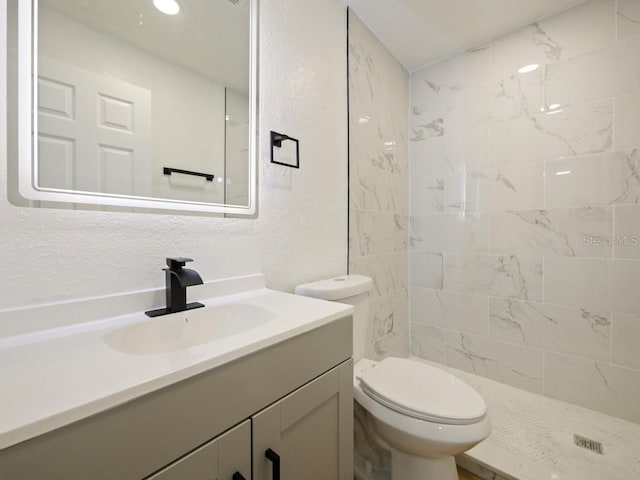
238 476
275 459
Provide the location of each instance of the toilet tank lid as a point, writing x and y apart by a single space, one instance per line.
336 288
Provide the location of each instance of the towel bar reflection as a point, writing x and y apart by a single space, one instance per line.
169 171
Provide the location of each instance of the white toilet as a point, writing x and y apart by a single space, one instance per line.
422 415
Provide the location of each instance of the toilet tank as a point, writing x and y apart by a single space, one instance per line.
352 290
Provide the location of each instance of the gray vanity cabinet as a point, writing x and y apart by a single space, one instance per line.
227 457
309 431
294 397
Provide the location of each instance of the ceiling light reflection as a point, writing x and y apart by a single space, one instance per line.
528 68
168 7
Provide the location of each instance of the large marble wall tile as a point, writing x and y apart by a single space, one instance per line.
428 343
437 81
369 188
512 186
574 131
375 141
516 187
384 320
608 178
398 98
451 76
580 29
468 109
624 286
379 185
427 121
428 158
626 119
507 363
533 206
553 232
607 72
578 282
555 328
426 270
370 232
467 148
626 340
426 195
388 331
456 189
377 104
387 157
399 192
455 151
378 85
390 272
626 236
466 192
396 344
400 262
373 189
628 18
451 310
518 95
369 143
459 232
598 386
507 276
400 233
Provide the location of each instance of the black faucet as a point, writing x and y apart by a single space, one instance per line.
178 279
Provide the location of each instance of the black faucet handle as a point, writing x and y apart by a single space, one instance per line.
176 263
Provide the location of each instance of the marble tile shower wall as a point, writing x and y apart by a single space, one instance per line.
379 179
525 209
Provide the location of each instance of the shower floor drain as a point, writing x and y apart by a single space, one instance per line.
589 444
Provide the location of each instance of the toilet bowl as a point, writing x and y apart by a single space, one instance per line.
421 414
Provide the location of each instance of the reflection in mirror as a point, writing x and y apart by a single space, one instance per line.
145 100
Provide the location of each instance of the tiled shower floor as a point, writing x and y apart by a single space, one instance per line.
532 437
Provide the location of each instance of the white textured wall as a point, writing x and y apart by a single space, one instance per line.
524 209
300 233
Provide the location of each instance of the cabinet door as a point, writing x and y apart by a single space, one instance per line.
227 457
310 431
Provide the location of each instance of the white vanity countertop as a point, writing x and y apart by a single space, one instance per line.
55 377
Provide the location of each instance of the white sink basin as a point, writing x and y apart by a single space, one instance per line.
187 329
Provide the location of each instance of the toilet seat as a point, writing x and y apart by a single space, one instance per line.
424 392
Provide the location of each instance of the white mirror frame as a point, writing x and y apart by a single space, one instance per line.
28 124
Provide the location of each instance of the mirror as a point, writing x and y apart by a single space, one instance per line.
138 103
